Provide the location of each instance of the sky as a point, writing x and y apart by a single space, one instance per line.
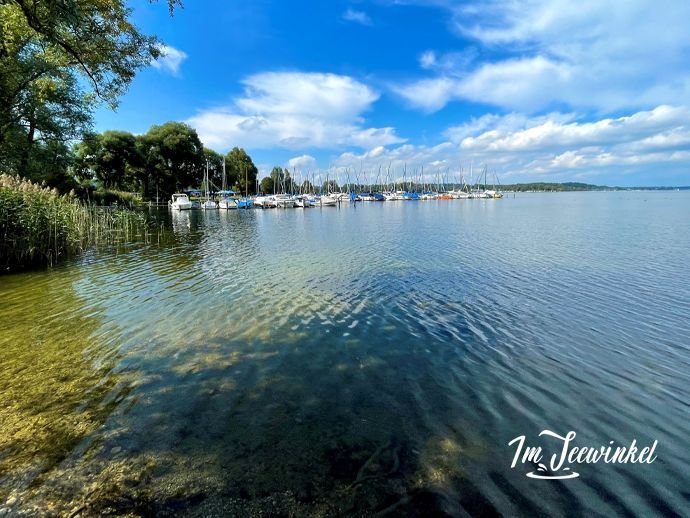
594 91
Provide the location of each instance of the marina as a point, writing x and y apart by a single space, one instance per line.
228 200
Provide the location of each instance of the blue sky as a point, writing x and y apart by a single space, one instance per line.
542 90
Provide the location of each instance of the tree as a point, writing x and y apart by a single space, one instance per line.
241 170
117 152
173 158
41 104
290 184
275 183
307 186
280 181
215 168
113 159
57 59
330 186
267 185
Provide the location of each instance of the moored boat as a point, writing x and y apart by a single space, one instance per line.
328 200
180 201
244 203
227 200
284 201
208 204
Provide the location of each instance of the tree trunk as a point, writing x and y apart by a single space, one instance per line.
26 152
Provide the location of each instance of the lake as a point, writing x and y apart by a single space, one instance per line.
375 358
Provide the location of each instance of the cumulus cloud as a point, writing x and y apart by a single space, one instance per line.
302 162
598 55
360 17
295 110
554 147
169 60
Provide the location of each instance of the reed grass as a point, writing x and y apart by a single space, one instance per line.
39 226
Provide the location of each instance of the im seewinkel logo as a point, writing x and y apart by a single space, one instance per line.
568 454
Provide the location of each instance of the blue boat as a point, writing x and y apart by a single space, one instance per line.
244 203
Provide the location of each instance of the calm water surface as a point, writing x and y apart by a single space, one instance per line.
354 361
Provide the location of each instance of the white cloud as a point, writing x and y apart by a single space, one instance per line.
554 147
428 94
427 59
600 55
169 60
295 110
412 158
360 17
302 162
664 127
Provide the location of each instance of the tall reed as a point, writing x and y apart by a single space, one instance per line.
38 226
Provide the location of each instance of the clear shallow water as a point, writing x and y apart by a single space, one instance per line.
361 360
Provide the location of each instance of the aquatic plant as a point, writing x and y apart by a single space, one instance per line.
39 226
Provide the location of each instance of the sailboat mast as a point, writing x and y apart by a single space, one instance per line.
206 181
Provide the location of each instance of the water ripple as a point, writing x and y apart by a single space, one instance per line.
300 352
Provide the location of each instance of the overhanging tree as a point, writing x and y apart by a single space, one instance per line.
57 59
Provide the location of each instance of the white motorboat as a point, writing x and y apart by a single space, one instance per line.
180 201
303 201
328 200
284 201
227 203
394 196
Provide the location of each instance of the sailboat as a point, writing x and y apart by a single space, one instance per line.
226 201
209 204
246 202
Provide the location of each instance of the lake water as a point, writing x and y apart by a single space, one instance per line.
366 359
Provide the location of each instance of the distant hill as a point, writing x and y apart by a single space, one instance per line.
551 187
576 186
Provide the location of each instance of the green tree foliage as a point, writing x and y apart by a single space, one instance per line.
330 186
280 181
548 186
215 169
307 187
168 158
289 182
111 158
173 159
57 59
266 185
241 170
